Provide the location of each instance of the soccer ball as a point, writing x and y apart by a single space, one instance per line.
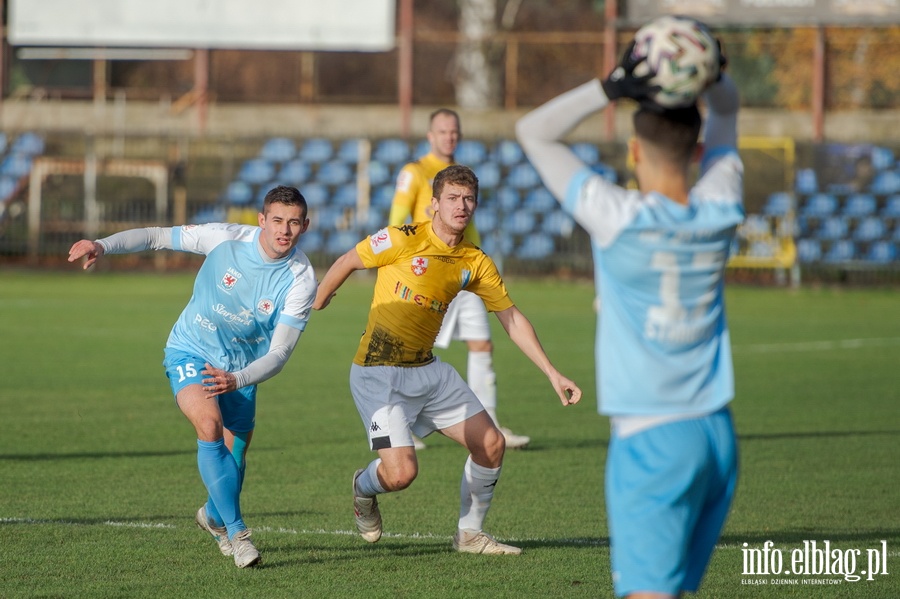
683 54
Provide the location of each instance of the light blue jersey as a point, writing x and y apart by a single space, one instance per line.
663 346
239 295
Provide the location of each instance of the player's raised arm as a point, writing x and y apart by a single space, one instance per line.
342 268
520 330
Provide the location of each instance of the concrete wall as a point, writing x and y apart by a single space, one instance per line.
347 121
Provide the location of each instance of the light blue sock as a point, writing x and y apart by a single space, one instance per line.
239 452
368 485
222 478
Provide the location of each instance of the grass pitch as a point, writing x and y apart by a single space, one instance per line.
99 484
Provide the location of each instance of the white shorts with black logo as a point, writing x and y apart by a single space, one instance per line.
395 401
466 320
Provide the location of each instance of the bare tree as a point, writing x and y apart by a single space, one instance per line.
478 69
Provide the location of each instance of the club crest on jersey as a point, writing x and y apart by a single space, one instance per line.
230 279
419 266
380 241
265 306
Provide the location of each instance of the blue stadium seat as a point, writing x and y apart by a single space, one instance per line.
316 195
496 244
488 174
345 196
391 151
842 250
8 186
27 144
535 247
329 219
375 218
508 153
278 149
882 158
778 204
859 205
213 214
882 252
809 250
486 219
605 171
760 249
806 181
238 193
316 150
422 148
891 208
379 173
508 199
540 199
832 228
334 172
558 224
348 151
588 153
382 196
16 166
311 241
820 205
755 225
519 222
257 171
886 182
339 242
471 152
870 228
296 172
523 176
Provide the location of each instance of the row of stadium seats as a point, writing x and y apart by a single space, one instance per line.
513 199
17 156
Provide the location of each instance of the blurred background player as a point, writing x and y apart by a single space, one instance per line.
664 347
467 318
250 303
400 387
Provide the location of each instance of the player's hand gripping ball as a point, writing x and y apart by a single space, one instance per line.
681 56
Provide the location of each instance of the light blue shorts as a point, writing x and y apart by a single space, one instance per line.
238 407
668 493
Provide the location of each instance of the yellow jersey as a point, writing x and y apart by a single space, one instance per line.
418 277
412 195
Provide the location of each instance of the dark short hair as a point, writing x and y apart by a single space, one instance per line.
674 132
287 195
455 174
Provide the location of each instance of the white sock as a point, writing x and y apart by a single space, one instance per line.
368 485
483 380
475 494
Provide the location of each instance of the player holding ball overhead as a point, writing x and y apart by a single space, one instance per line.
665 375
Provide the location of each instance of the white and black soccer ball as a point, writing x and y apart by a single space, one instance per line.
684 55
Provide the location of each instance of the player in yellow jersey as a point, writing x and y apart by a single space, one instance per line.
400 387
467 319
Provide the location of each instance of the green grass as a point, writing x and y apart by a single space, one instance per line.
98 478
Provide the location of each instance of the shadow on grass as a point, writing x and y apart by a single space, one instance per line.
93 455
813 435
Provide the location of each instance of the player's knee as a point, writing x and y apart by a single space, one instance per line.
399 476
492 450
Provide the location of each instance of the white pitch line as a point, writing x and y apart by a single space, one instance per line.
805 346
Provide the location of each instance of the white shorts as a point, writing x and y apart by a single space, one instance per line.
466 320
395 402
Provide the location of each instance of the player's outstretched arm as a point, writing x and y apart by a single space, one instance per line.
519 329
87 249
342 268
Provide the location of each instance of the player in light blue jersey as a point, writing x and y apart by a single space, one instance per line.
663 345
251 301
